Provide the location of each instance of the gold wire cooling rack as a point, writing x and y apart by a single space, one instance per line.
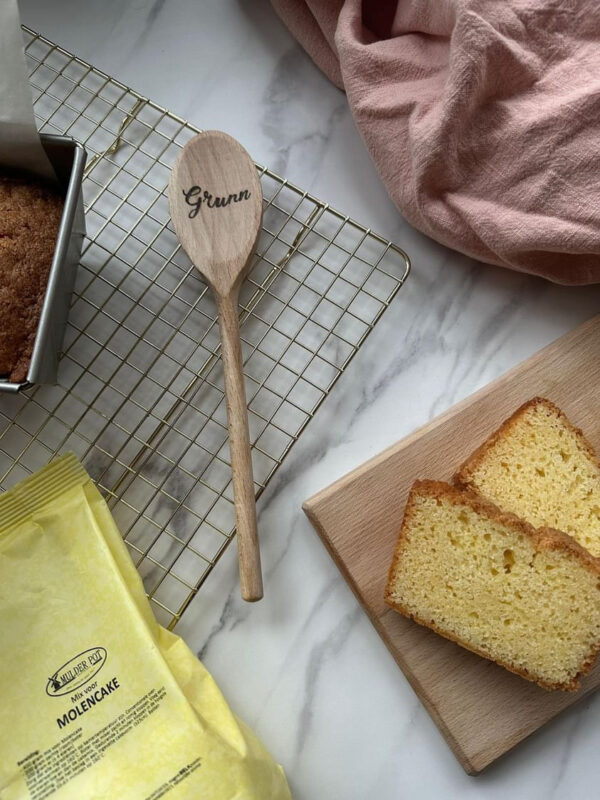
139 395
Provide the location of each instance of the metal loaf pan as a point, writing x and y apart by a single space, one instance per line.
68 159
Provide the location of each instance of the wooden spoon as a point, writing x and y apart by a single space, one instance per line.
216 208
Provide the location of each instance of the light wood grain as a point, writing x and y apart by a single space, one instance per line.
216 208
239 446
481 709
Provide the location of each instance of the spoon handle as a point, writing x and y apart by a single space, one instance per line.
239 446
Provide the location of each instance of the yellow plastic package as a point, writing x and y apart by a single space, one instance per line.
98 702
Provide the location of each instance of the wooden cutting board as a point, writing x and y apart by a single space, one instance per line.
481 709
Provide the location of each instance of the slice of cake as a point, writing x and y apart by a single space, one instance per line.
540 467
528 599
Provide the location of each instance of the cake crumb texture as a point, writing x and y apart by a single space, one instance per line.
539 466
30 214
528 599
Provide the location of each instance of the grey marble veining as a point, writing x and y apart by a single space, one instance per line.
304 667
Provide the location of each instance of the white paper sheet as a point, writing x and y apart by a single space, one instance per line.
20 146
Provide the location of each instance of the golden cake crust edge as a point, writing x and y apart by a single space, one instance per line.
463 475
542 538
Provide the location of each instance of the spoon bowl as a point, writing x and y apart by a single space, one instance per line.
216 207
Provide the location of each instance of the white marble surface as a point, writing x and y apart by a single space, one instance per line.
304 667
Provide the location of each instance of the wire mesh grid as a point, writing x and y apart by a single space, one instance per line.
139 395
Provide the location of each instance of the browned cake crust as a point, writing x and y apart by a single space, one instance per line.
463 476
30 214
542 538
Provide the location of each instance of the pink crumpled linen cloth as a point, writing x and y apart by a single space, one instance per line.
482 117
